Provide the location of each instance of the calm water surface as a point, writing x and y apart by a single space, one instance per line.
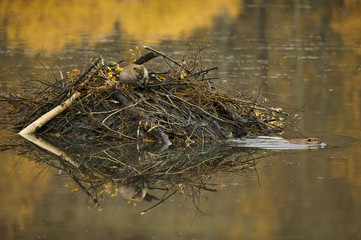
304 55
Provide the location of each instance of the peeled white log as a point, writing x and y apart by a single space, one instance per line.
41 121
38 140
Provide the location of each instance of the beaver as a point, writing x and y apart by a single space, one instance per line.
268 142
310 140
135 192
134 74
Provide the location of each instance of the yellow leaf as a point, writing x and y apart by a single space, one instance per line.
183 75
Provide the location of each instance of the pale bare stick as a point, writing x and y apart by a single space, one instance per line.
45 118
41 142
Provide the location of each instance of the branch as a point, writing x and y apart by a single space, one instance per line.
63 93
160 202
205 71
145 58
45 118
81 78
166 57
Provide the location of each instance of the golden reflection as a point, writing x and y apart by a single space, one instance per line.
23 186
348 23
51 25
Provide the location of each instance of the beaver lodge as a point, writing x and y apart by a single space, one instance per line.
179 104
175 103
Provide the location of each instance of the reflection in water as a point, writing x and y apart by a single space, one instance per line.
148 22
21 191
131 170
135 191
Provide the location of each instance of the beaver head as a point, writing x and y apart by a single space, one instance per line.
134 74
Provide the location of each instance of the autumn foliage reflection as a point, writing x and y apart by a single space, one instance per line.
51 25
144 173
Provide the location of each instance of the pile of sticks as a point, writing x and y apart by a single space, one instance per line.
179 105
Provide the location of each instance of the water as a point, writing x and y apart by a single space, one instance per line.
303 55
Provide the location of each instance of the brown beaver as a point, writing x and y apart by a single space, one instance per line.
134 74
305 141
268 142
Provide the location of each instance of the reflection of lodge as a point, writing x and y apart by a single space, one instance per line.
131 170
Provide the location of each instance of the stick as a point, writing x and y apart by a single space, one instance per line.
166 57
81 78
203 72
63 93
41 121
159 203
41 142
145 58
64 156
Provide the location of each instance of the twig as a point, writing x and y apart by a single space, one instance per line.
205 71
145 58
63 93
195 106
168 58
160 202
50 71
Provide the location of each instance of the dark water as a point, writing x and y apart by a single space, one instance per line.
303 54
